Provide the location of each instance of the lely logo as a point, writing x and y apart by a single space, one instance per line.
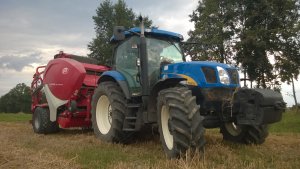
65 71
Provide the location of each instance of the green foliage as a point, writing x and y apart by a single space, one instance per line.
263 36
16 100
269 29
213 31
107 16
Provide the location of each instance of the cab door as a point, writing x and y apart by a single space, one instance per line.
125 62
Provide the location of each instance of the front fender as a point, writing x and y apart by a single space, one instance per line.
160 85
118 78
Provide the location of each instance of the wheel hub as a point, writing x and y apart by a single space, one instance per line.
233 129
103 114
36 123
110 114
165 125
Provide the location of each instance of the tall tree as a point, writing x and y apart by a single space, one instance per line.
260 35
270 27
107 16
214 30
18 99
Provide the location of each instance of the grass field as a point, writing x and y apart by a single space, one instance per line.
21 148
18 117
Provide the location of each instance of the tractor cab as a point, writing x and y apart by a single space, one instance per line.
161 48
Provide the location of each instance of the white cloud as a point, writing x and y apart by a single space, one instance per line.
10 78
169 15
17 62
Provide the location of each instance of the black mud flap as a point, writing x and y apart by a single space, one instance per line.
258 106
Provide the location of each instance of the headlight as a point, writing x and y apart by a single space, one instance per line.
223 75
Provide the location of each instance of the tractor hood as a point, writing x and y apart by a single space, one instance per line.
203 73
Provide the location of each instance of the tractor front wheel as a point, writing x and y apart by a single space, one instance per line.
179 121
246 134
41 122
108 113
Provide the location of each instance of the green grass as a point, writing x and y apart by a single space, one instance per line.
91 157
290 123
105 155
15 117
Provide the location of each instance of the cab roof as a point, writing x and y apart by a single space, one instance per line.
152 32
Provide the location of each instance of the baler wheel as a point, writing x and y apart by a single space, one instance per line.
246 134
179 121
41 122
108 113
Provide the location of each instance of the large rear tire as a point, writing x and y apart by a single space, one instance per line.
246 134
108 113
41 122
179 121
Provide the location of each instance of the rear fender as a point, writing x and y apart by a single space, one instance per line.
44 105
118 78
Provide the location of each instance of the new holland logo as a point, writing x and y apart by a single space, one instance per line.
65 71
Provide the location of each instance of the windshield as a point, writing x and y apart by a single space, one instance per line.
162 51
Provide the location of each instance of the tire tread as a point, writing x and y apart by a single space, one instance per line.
187 128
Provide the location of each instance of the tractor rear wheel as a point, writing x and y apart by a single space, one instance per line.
179 121
41 122
246 134
108 113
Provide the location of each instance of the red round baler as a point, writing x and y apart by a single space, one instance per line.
64 89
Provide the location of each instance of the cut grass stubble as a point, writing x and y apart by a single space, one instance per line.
80 149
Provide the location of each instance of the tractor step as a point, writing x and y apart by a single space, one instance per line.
130 123
130 118
133 105
129 129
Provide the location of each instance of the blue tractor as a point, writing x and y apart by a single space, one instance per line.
151 84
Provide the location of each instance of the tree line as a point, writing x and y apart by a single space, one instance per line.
18 99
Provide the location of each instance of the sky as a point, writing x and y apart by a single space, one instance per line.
33 31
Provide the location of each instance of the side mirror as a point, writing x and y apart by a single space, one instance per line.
119 33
